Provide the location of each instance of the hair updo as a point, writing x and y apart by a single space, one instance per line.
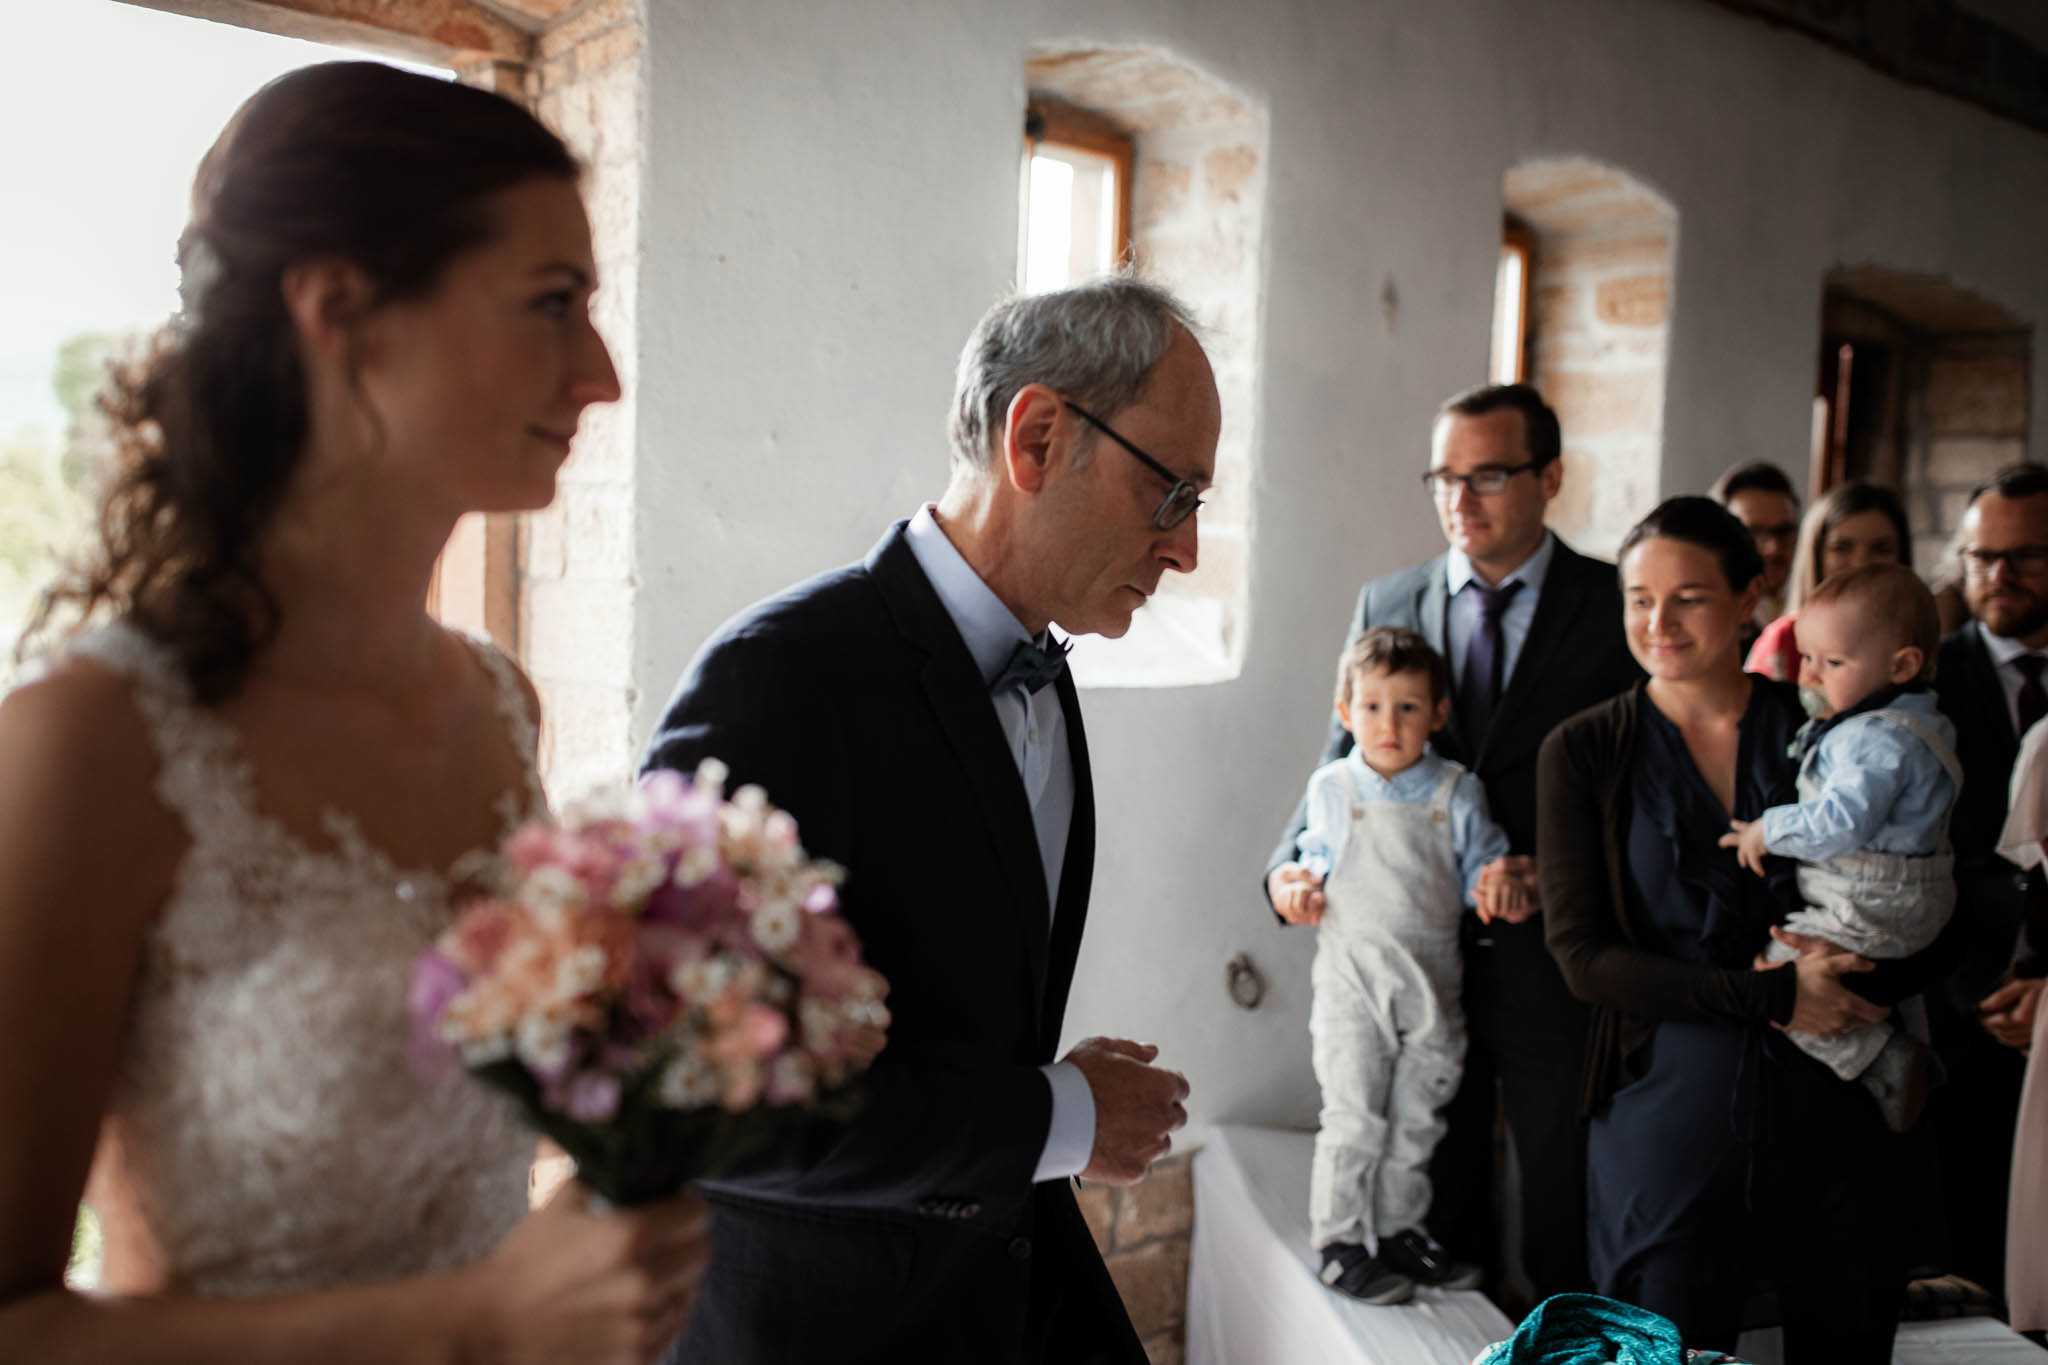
352 160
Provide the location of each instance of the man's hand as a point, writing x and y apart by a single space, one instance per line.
2008 1013
1500 895
1522 868
1137 1105
1746 837
1297 894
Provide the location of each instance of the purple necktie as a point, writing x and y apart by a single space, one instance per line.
2033 698
1479 689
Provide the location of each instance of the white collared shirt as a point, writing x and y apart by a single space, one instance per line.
1035 727
1514 621
2003 652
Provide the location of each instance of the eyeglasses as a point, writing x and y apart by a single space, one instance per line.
1485 482
1182 500
2025 559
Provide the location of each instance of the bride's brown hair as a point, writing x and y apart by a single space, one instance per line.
349 160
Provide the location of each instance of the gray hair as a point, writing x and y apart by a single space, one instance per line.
1095 343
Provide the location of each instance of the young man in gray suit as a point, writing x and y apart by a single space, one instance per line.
1532 630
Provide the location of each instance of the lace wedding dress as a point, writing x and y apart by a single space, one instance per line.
265 1117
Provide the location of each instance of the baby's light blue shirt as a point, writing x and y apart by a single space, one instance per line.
1332 788
1882 789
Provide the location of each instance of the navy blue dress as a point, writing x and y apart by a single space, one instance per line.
1731 1159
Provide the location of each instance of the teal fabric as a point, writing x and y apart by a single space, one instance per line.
1585 1329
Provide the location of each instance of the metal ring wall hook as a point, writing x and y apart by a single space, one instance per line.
1246 985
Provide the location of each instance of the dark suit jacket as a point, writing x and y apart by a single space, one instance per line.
915 1233
1574 656
1990 901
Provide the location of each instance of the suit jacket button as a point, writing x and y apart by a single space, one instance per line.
1020 1248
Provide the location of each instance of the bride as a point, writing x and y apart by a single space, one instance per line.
228 816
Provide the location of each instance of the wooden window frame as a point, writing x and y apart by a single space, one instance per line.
1517 237
1055 123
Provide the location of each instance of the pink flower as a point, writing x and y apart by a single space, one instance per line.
435 982
480 935
593 1097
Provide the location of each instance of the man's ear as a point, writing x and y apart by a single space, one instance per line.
326 298
1907 663
1550 478
1032 433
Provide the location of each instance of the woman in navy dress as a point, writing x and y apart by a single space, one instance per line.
1721 1158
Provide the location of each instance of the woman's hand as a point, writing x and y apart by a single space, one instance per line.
1822 1004
597 1288
1746 837
2008 1013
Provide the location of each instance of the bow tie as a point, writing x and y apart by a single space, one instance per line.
1031 666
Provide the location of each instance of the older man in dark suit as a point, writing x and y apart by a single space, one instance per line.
915 714
1991 685
1532 632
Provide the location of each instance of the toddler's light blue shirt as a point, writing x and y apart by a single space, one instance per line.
1333 788
1882 789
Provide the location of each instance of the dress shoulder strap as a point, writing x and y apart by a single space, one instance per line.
201 777
522 728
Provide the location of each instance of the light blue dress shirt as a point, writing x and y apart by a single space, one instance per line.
1514 622
1882 789
1332 788
1035 727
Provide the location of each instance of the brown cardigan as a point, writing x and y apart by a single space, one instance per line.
1582 815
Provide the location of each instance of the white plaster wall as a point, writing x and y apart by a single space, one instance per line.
829 207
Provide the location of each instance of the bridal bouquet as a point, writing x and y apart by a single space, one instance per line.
660 979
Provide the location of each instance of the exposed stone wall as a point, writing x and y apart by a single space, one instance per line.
1967 419
577 631
1600 311
1145 1233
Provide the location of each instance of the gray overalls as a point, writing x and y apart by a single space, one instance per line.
1389 1039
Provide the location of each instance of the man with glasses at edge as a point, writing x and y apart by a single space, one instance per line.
1761 497
915 714
1990 683
1532 632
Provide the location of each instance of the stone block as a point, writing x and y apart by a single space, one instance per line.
546 554
608 49
1160 1205
1977 395
1153 1282
1558 308
599 531
586 742
1605 251
1226 173
585 23
1971 459
1167 1348
1098 1206
1161 193
1601 403
579 631
1633 301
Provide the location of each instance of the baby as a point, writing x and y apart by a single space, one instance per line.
1877 780
1402 840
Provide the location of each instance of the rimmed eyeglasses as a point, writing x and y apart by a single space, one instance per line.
1485 482
1182 500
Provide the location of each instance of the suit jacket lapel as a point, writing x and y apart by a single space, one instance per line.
960 703
1557 611
1433 619
1077 871
1990 690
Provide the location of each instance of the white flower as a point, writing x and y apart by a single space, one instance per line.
637 880
702 981
688 1082
710 776
484 1051
819 1021
579 973
695 866
551 892
791 1077
776 925
543 1043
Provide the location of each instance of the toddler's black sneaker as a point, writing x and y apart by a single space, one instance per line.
1353 1271
1419 1256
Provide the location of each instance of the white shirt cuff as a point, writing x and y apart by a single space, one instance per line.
1071 1138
